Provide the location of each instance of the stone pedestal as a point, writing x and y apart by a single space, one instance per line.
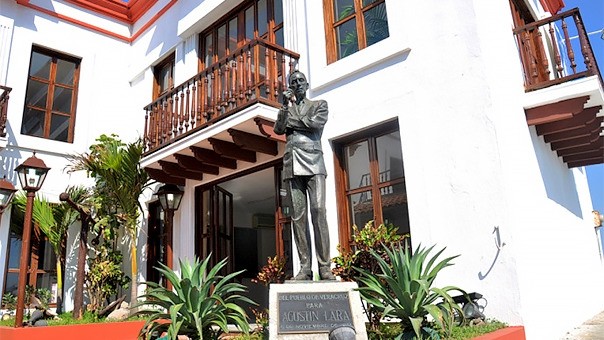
310 310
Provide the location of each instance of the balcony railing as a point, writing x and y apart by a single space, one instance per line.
252 74
4 96
548 54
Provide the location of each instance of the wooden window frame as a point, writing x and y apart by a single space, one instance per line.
341 178
169 61
37 242
239 12
51 82
331 25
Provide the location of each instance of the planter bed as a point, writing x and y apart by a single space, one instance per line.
126 330
508 333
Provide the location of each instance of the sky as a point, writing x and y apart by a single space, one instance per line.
592 13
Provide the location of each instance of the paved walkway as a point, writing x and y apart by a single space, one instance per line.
592 329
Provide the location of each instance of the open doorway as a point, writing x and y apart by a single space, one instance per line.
236 219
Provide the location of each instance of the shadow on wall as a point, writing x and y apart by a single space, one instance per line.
11 157
498 245
558 181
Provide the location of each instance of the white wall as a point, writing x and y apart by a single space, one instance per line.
106 104
479 181
474 176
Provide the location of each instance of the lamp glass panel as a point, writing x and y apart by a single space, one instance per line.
177 198
5 196
162 202
22 179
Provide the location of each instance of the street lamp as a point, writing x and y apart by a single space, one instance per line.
169 196
32 174
7 191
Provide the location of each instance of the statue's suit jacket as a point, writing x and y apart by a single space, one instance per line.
303 125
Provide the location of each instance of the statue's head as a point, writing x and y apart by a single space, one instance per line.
298 83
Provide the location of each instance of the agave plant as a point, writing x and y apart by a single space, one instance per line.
201 304
403 290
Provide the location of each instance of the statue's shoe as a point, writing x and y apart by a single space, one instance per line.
326 274
303 276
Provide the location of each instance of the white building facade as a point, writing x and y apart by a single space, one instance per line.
454 121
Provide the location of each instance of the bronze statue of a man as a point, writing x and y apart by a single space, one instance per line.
302 121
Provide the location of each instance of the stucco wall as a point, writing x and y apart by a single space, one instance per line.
479 181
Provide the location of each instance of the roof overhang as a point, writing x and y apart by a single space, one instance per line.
569 116
237 143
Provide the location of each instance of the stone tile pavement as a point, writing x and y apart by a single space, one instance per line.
592 329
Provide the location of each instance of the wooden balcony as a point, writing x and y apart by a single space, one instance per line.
4 96
548 54
564 85
252 74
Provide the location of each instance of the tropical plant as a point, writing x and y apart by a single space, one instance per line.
200 305
262 321
9 301
403 290
272 272
54 221
371 237
104 276
44 295
120 181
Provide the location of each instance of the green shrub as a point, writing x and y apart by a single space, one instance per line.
44 295
9 301
104 276
200 305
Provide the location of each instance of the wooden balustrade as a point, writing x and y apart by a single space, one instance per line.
252 74
4 96
547 52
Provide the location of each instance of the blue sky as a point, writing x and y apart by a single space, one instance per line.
592 13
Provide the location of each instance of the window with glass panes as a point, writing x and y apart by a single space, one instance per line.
371 180
352 25
43 260
164 76
260 19
51 96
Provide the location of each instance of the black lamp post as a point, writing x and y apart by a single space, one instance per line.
7 191
169 196
32 174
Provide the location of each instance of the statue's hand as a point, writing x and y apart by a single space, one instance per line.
288 95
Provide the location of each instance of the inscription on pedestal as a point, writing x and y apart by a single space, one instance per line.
313 312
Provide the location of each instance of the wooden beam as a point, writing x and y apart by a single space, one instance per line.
586 162
176 170
265 127
192 164
556 111
211 157
252 142
231 150
587 116
571 143
587 130
597 145
599 153
161 176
